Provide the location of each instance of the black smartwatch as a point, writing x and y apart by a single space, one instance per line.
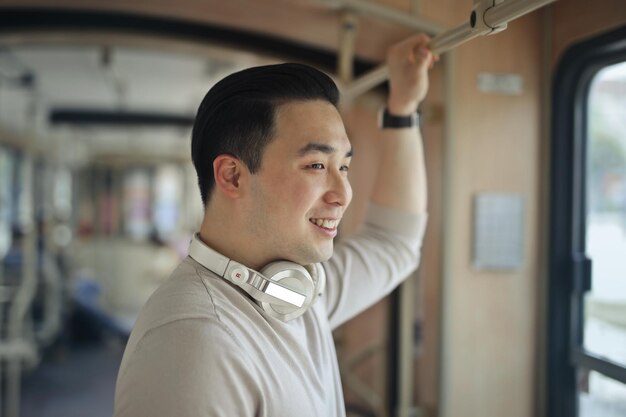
387 120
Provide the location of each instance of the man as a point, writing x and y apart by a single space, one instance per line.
228 336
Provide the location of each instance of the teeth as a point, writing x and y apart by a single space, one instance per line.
327 224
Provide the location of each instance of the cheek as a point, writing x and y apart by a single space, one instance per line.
348 192
289 197
291 194
302 200
300 197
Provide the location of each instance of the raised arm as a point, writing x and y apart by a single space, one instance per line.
401 181
368 265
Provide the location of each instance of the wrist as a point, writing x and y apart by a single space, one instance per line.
401 108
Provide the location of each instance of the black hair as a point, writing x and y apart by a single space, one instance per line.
237 115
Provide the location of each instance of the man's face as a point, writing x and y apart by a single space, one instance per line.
300 193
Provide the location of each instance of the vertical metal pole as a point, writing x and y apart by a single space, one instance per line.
52 281
449 66
416 7
22 301
392 353
541 405
23 297
347 38
406 369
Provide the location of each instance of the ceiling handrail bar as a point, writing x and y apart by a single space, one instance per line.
494 19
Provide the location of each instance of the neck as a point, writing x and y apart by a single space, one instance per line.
222 231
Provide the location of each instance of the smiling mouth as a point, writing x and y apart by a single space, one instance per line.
325 223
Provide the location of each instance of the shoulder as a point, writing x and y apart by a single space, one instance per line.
181 347
192 303
191 292
183 295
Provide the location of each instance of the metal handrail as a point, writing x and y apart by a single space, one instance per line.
488 20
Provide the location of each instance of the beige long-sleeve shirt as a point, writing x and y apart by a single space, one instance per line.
201 347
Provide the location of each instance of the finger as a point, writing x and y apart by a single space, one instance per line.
408 50
423 53
420 38
433 60
412 43
423 57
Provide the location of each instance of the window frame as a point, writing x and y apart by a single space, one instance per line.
569 268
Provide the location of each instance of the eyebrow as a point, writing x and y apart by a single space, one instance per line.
320 147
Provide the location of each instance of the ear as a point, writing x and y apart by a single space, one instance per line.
229 172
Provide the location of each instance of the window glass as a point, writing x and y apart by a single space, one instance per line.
6 182
167 197
137 200
599 395
605 304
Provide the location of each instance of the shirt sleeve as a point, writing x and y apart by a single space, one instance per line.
187 368
370 264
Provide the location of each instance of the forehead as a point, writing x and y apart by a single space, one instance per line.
300 122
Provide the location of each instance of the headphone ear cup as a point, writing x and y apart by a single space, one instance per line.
318 274
296 278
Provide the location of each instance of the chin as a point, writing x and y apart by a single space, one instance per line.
324 254
315 255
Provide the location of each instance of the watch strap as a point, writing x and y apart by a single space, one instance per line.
387 120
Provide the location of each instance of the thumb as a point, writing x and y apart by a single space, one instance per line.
423 56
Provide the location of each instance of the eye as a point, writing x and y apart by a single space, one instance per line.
345 168
317 166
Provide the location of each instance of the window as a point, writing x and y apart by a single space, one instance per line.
604 306
587 310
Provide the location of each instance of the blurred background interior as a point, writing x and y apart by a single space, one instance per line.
519 305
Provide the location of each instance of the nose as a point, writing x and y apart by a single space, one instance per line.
339 190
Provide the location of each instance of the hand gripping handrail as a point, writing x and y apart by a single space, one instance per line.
487 17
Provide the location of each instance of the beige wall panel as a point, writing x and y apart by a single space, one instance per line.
575 20
375 36
366 337
429 283
490 316
450 13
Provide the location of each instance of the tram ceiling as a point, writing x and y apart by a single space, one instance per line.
98 82
313 24
108 96
116 78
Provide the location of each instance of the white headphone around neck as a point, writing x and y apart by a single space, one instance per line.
284 290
